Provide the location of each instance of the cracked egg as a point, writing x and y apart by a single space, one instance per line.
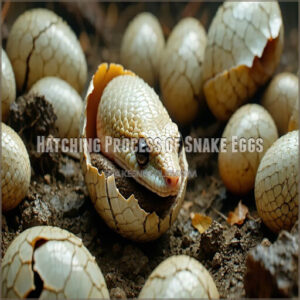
276 183
181 70
128 207
41 44
248 135
48 262
244 45
180 277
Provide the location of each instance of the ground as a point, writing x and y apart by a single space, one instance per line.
58 194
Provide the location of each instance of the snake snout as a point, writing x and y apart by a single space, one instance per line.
172 181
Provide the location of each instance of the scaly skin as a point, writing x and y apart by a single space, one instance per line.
63 263
129 108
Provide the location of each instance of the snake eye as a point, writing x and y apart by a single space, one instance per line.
142 153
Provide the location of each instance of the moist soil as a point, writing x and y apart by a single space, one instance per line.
58 195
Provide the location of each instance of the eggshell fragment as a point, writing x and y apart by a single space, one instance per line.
48 262
245 41
67 104
142 46
15 168
249 133
8 85
280 99
179 277
276 183
181 70
41 44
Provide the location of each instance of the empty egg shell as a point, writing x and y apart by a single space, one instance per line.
181 70
280 99
118 199
276 183
41 44
179 277
245 42
66 102
249 133
142 45
15 168
8 85
47 262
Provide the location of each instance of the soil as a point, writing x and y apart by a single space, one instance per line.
58 195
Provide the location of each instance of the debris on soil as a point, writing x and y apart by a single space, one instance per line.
200 222
32 116
239 215
273 271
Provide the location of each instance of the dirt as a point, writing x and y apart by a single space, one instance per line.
58 195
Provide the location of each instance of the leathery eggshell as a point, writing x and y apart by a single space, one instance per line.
119 207
276 183
181 70
179 277
281 98
41 44
142 46
66 102
47 262
249 133
15 168
245 42
8 85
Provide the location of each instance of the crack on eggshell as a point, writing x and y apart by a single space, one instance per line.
24 87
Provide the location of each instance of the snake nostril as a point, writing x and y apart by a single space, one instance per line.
172 180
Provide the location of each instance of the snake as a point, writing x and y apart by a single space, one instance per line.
130 109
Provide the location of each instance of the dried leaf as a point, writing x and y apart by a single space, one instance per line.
238 216
200 222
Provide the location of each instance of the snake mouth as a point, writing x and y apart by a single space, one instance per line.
160 192
166 190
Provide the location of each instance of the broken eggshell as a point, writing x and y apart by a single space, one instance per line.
41 44
127 207
245 42
48 262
